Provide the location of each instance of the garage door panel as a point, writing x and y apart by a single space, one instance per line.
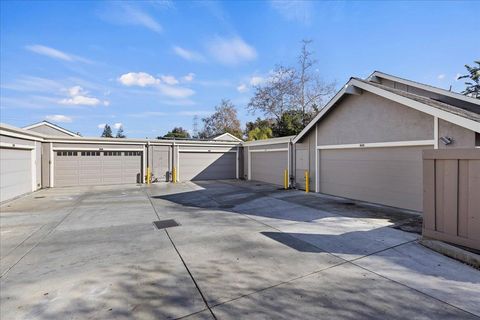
15 173
98 169
269 166
207 166
389 176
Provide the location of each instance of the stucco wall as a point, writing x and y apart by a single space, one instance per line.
38 164
371 118
463 138
45 165
17 141
305 160
49 130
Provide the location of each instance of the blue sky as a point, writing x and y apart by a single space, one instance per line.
153 65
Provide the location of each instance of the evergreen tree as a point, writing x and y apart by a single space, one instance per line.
473 86
107 132
120 133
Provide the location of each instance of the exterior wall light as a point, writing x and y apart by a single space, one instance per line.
446 140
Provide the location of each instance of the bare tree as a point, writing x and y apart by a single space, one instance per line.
275 96
311 90
224 119
299 90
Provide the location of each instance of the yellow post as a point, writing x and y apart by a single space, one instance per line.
149 175
285 179
306 182
174 175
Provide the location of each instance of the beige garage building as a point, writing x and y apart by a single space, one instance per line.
45 155
367 142
267 160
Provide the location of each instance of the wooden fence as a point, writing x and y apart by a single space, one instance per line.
451 196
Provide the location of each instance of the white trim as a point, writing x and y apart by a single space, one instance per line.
97 149
16 146
435 132
19 135
378 145
425 87
210 144
236 164
51 166
268 141
269 150
178 164
206 151
96 142
249 156
44 123
433 111
144 167
33 158
317 173
288 164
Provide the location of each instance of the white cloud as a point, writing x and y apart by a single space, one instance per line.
75 91
166 85
78 96
124 14
101 125
231 51
189 77
117 125
55 54
81 100
242 88
256 80
292 10
58 118
194 113
175 92
441 76
188 54
141 79
171 80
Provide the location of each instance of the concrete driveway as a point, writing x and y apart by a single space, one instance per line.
242 250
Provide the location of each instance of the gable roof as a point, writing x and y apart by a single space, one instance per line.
469 119
426 87
227 137
51 125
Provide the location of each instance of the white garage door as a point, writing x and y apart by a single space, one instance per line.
389 176
207 165
15 173
83 168
269 166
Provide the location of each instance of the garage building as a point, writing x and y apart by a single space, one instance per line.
267 160
366 143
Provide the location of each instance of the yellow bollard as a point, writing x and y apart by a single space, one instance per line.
306 182
174 175
149 175
285 179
